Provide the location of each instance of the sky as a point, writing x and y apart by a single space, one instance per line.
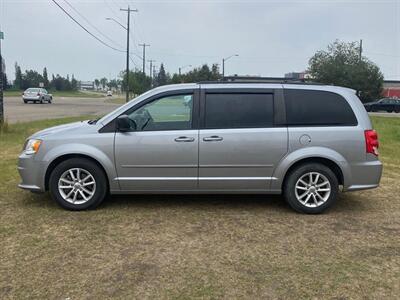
271 37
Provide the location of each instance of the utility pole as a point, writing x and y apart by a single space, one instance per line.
144 45
129 11
151 70
360 54
1 83
154 72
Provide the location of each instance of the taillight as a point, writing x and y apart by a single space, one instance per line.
371 142
38 94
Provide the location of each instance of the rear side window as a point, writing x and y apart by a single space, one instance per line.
238 111
317 108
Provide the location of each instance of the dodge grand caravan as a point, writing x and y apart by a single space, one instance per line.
304 141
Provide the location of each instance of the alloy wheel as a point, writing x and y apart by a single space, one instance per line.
77 185
312 189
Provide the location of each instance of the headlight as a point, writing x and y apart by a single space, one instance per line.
32 146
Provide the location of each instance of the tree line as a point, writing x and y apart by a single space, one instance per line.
32 78
140 82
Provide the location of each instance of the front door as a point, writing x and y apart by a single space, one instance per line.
239 146
161 150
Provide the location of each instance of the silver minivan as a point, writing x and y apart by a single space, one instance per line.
307 142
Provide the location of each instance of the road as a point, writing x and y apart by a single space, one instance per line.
16 111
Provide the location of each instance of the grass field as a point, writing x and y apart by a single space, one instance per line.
80 94
204 247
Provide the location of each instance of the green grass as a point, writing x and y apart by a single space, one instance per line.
389 138
202 247
80 94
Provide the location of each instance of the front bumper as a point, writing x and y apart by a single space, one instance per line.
32 173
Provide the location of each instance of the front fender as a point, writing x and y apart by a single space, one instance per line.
306 153
82 149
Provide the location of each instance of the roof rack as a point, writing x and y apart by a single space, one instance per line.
256 79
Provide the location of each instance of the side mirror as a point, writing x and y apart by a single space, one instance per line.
124 123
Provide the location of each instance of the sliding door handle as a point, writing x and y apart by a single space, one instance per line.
184 139
213 138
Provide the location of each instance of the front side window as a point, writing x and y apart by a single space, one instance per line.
238 110
317 108
166 113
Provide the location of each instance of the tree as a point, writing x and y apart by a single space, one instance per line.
18 77
341 65
138 82
31 78
103 82
162 77
45 78
96 83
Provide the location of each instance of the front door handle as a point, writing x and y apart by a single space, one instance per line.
184 139
213 138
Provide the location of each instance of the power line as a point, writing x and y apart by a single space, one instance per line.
80 25
94 27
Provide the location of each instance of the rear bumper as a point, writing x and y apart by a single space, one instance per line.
365 175
27 98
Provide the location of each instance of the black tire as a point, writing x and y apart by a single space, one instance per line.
50 100
389 111
296 174
25 101
101 189
41 101
368 109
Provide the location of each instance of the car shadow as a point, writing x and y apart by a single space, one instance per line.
345 203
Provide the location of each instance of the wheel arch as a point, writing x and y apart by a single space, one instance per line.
325 156
64 157
321 160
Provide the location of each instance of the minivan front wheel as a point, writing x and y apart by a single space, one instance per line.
78 184
311 188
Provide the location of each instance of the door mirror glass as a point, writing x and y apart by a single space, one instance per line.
125 124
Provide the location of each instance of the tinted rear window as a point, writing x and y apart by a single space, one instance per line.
317 108
239 110
32 90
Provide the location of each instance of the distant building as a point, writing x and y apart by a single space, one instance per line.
298 75
391 88
86 85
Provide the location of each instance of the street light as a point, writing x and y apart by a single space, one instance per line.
183 68
223 64
112 19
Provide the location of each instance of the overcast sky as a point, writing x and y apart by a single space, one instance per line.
271 37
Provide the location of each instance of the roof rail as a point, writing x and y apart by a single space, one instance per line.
256 79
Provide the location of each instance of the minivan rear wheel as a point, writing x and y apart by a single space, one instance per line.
78 184
311 188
